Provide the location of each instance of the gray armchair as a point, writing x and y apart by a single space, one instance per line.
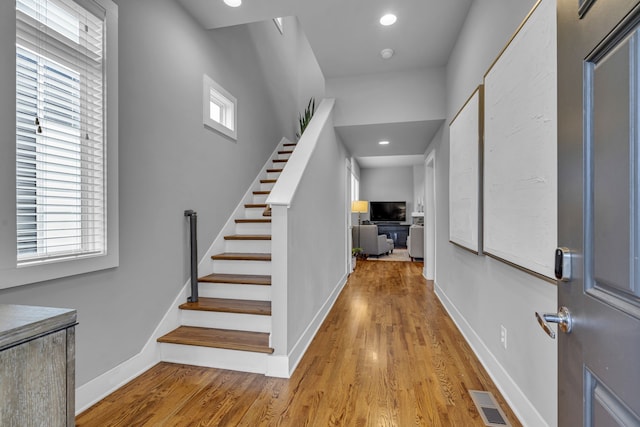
415 241
370 241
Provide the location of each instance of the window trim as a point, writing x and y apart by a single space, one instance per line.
229 106
11 274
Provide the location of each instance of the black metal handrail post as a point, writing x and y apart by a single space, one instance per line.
193 227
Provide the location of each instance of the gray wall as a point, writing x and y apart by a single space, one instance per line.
418 187
482 293
390 184
292 72
168 163
404 96
317 234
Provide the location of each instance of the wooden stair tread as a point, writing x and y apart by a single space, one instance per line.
268 181
255 205
223 305
262 192
274 170
290 144
248 237
252 220
237 279
242 256
280 160
285 152
257 342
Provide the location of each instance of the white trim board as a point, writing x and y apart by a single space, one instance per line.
517 400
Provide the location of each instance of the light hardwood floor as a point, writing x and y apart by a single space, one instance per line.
387 355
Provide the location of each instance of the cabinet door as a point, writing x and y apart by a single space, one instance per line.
33 383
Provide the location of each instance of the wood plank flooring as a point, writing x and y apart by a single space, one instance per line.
387 355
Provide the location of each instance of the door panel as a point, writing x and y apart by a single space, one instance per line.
598 211
607 81
604 407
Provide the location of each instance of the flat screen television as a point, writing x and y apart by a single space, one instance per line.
388 211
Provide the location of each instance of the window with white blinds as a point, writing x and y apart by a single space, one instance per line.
60 130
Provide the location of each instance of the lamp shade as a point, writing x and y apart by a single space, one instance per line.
360 206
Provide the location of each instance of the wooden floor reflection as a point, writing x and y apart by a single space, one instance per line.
387 355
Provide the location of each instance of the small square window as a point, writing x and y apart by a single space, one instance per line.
219 108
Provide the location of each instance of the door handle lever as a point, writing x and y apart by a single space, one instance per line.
562 318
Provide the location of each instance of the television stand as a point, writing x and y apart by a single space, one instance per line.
397 232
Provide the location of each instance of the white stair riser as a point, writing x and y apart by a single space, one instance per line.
242 361
253 228
232 321
248 246
233 291
241 267
260 198
273 175
266 186
284 156
254 213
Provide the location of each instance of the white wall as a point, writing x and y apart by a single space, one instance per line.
389 97
392 184
168 163
480 293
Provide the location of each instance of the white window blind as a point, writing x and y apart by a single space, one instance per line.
60 130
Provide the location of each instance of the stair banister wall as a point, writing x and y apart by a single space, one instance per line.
308 240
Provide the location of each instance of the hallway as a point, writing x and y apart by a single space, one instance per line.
387 355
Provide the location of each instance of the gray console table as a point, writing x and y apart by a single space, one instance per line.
37 366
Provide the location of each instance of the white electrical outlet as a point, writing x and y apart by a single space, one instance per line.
503 336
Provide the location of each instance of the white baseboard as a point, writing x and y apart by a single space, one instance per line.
517 400
98 388
105 384
301 346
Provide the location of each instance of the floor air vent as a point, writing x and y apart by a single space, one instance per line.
489 409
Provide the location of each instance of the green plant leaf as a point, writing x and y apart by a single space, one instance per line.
305 117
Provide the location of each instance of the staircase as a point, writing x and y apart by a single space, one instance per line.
229 326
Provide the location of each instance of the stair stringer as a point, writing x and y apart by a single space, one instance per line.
153 352
214 357
205 265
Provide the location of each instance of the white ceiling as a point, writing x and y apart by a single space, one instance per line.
347 38
404 138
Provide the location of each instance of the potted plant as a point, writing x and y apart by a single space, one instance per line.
304 119
357 253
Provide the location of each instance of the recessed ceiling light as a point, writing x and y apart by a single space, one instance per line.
388 19
386 53
233 3
383 142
